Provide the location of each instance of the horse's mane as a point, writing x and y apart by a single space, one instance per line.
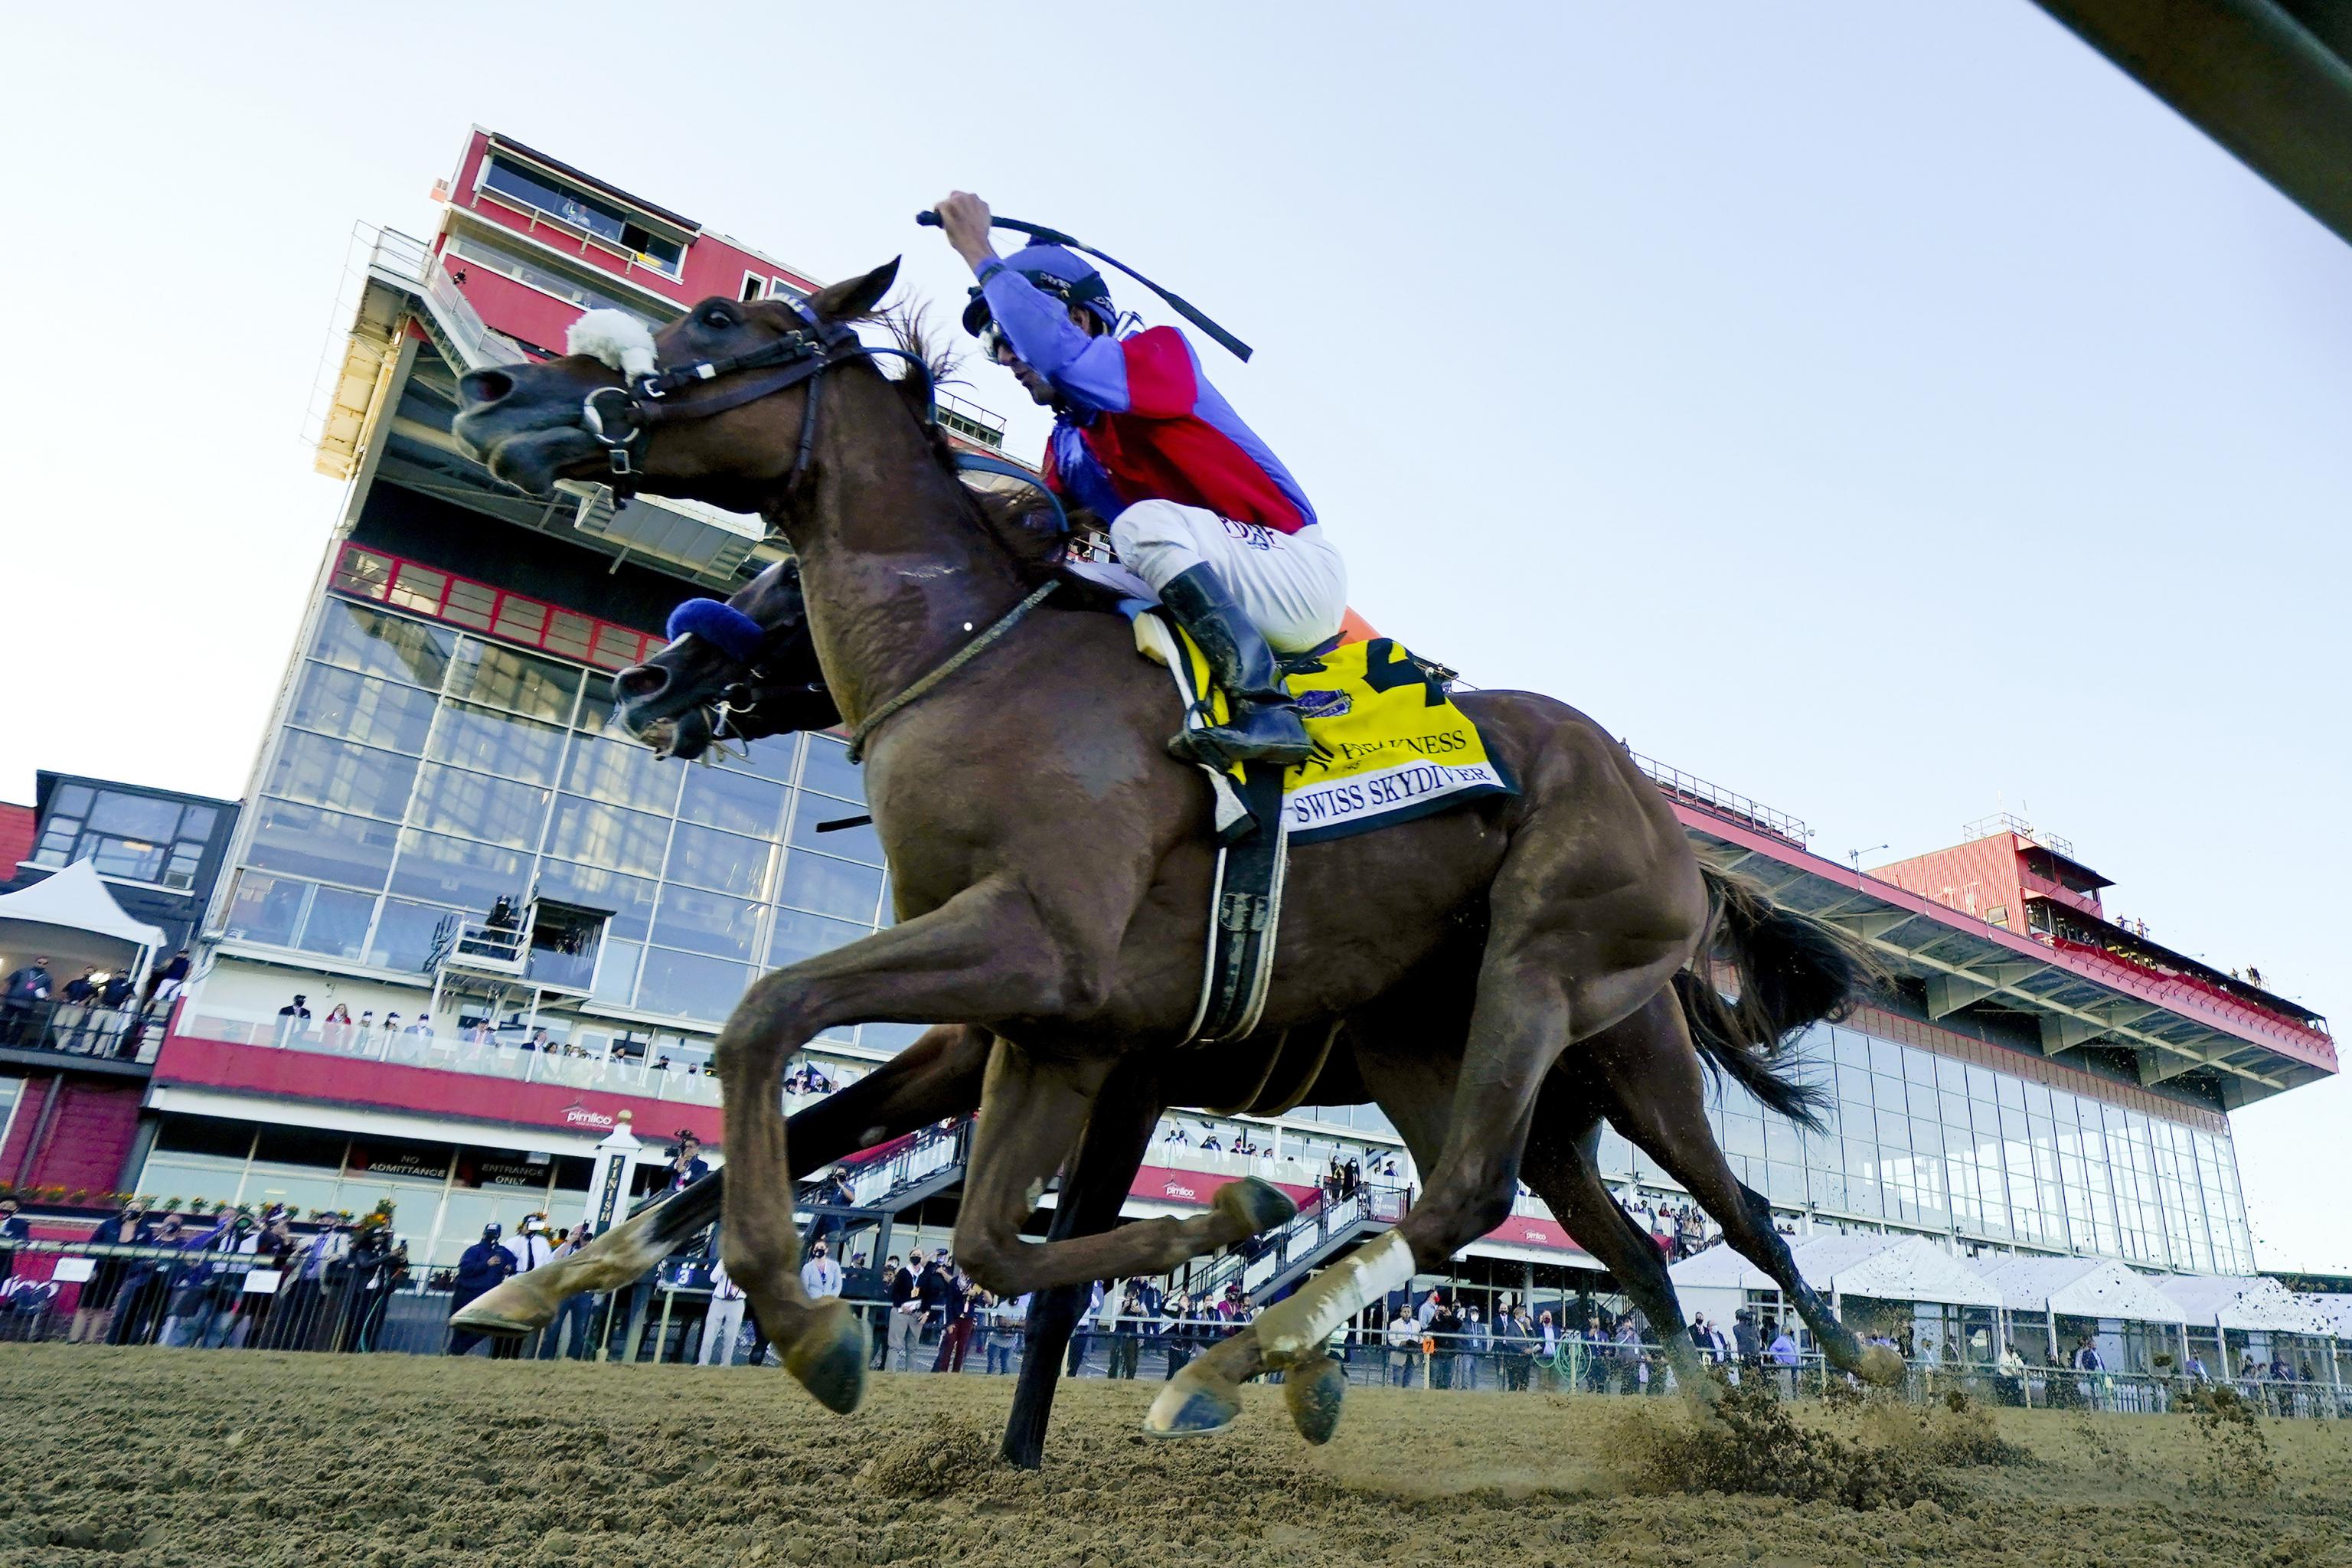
1019 520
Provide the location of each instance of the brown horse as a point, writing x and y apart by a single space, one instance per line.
1052 866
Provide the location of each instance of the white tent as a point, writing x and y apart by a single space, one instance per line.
2257 1305
70 917
2335 1310
1884 1267
2081 1288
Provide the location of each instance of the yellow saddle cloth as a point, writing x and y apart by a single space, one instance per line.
1389 744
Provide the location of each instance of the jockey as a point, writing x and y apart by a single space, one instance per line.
1198 507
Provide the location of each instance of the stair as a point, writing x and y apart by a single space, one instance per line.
1276 1262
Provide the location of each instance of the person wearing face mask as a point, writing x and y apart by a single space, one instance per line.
484 1266
821 1276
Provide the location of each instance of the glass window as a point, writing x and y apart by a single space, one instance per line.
829 769
490 741
454 800
264 908
627 900
459 871
72 800
336 923
320 772
690 985
132 859
616 971
826 886
134 815
363 708
405 933
507 678
797 936
1952 1075
1885 1057
1887 1093
772 758
857 843
329 845
608 835
706 923
736 801
623 774
390 645
725 861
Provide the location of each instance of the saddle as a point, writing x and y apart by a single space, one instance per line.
1390 746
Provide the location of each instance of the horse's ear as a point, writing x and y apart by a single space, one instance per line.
857 296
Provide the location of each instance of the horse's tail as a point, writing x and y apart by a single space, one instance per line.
1789 971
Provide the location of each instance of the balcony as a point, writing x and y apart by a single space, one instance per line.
77 1035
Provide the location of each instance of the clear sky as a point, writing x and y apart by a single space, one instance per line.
1892 412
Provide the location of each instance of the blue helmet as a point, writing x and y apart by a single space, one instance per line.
1057 271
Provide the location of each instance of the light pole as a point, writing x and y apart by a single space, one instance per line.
1855 855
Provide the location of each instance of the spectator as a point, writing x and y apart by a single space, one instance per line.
1006 1322
1175 1330
293 1020
27 989
1744 1340
687 1165
932 1286
2009 1376
1351 1177
723 1324
906 1314
13 1229
955 1320
296 1320
164 984
1403 1338
821 1276
1082 1333
336 1030
198 1314
1471 1348
530 1244
94 1309
1126 1333
568 1335
481 1268
1784 1357
1515 1339
270 1247
1441 1327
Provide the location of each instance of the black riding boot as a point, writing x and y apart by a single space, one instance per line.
1266 724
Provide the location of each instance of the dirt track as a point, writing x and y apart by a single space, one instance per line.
146 1457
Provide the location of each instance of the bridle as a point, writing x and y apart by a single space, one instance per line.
623 418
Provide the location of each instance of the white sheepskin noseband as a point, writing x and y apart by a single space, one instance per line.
616 337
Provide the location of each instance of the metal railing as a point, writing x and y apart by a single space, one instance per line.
85 1030
481 1051
1696 791
1324 1220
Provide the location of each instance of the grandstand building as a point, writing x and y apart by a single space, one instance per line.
533 926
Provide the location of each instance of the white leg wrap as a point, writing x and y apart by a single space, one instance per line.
1379 1266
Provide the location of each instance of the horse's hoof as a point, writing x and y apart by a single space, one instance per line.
505 1311
829 1357
1313 1392
1257 1206
1880 1366
1191 1406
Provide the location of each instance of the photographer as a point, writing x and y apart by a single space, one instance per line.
687 1165
568 1334
483 1268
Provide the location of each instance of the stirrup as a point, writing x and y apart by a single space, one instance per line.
1225 746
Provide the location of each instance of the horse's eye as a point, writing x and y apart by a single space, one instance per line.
716 320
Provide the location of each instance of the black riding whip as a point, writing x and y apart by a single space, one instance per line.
1183 307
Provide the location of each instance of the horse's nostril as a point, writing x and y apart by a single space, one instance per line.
485 387
640 682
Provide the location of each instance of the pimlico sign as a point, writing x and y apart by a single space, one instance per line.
578 1115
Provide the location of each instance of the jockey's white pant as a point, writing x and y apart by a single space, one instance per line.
1293 586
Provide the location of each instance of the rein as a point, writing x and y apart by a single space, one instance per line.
635 411
970 651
